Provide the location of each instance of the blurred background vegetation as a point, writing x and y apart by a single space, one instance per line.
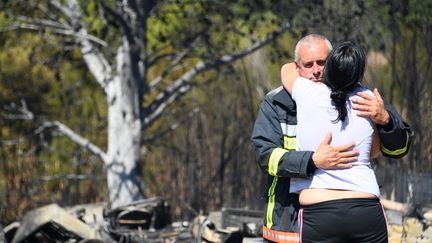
204 160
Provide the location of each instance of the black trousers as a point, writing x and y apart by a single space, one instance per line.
355 220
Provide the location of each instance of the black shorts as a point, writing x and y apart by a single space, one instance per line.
343 221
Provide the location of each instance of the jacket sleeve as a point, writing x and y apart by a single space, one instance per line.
267 139
395 136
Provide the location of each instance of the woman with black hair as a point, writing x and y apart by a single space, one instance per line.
337 205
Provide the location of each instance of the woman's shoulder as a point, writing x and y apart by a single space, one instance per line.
307 82
363 89
302 85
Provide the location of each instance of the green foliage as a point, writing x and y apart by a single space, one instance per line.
209 149
92 17
54 84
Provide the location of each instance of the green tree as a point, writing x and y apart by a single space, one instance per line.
144 56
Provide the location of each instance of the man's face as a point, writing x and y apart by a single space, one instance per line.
312 57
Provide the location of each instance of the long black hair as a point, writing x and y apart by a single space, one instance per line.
343 72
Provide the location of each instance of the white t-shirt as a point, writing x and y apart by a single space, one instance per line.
315 114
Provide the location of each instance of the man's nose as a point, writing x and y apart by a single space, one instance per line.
315 68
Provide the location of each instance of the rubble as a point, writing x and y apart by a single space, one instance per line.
142 221
229 225
408 222
51 223
149 221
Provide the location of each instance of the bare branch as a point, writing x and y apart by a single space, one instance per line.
75 137
21 112
11 142
183 84
41 22
95 60
170 128
66 32
161 106
152 53
153 61
180 56
71 177
177 94
35 5
24 113
118 19
169 68
62 8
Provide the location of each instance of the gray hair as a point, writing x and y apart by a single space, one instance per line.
309 39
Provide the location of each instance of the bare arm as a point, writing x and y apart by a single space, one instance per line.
288 75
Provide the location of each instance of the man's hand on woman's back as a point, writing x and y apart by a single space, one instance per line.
330 157
371 107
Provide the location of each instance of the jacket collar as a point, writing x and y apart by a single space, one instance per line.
285 99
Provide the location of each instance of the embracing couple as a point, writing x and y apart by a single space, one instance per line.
315 137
